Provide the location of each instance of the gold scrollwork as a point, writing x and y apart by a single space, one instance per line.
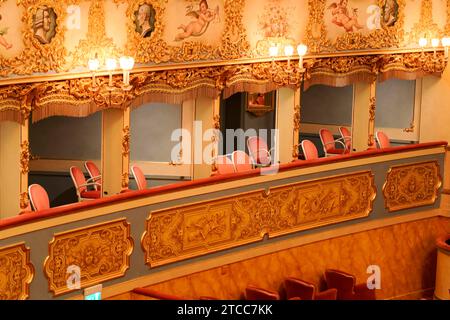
41 55
102 252
193 230
16 272
126 142
25 157
411 186
425 27
75 97
97 44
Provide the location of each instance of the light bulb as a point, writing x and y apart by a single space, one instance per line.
289 50
273 51
301 49
435 42
126 63
446 41
94 64
423 42
111 64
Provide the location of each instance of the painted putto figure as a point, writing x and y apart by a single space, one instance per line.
343 18
202 17
3 41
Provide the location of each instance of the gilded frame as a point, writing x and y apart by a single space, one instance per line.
38 57
173 217
317 35
49 272
392 207
24 252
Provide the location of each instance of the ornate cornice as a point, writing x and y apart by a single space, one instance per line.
75 97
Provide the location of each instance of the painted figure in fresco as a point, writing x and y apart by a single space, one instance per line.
202 17
146 20
390 13
257 100
3 41
42 24
342 17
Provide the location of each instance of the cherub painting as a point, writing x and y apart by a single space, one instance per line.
3 41
343 18
202 19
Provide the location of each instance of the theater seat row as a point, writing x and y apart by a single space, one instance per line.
340 286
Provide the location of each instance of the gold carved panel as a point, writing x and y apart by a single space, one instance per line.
411 186
16 272
102 252
193 230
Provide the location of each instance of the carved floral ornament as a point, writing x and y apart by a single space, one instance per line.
184 232
74 98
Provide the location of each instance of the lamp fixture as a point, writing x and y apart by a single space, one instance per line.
301 50
446 43
289 51
110 93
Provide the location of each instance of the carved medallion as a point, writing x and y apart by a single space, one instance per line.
101 252
411 186
16 272
193 230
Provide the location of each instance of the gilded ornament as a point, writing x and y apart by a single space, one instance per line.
102 252
16 272
412 186
193 230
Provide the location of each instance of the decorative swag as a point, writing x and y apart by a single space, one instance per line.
74 97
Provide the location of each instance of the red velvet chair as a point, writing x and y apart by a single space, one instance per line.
81 185
255 293
38 197
296 288
139 176
224 165
259 151
329 143
382 139
156 295
242 162
346 136
346 286
94 173
309 150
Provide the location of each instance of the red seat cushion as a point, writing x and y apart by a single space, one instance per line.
90 194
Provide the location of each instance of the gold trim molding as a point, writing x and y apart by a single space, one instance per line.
411 186
194 230
16 272
74 97
102 252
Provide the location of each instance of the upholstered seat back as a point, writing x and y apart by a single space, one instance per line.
255 293
78 179
382 139
309 150
139 176
38 197
241 161
346 137
224 165
259 150
94 172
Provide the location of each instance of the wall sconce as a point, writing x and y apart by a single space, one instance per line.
126 64
423 43
94 65
273 52
301 50
446 44
111 65
434 44
289 51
